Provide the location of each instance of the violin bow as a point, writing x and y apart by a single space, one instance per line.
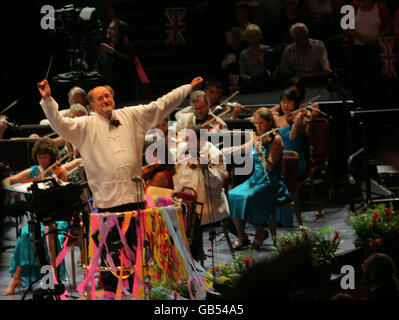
11 105
224 112
301 107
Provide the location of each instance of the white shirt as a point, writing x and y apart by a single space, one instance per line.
111 158
208 184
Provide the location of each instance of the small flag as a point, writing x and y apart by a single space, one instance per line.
175 25
387 57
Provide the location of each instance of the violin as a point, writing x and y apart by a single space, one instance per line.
60 172
55 168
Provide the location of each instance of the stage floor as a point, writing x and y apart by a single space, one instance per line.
335 215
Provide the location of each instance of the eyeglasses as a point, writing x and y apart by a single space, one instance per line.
201 107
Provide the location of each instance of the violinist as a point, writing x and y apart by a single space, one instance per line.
294 125
293 129
201 166
200 115
46 153
255 200
23 268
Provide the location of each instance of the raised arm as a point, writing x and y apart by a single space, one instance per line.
68 128
148 116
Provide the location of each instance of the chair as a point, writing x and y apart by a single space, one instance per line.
194 229
290 172
159 192
318 157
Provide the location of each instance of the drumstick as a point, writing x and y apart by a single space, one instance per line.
11 105
49 66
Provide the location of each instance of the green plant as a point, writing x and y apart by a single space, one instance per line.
324 242
228 273
374 223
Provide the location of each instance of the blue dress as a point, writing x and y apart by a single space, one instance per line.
255 200
23 254
294 145
284 216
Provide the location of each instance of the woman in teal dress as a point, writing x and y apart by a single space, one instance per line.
293 129
23 268
255 200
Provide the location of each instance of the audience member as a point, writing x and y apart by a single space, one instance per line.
372 20
379 276
116 61
257 63
334 37
318 12
305 57
290 13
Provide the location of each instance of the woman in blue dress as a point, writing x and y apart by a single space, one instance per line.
255 200
23 268
293 129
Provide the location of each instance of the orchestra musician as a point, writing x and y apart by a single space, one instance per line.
255 200
200 115
111 144
200 165
214 92
23 268
294 126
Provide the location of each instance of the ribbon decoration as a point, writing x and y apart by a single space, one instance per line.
162 252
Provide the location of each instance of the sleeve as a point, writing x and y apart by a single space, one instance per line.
148 116
216 174
72 130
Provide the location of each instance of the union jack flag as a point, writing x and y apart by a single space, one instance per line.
388 57
175 26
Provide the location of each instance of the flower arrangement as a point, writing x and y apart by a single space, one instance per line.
170 290
324 242
374 224
114 122
228 273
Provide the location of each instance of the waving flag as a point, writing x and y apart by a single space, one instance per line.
175 25
387 57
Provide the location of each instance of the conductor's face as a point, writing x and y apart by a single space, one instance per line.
103 103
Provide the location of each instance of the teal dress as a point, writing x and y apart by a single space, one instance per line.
255 200
284 216
23 254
